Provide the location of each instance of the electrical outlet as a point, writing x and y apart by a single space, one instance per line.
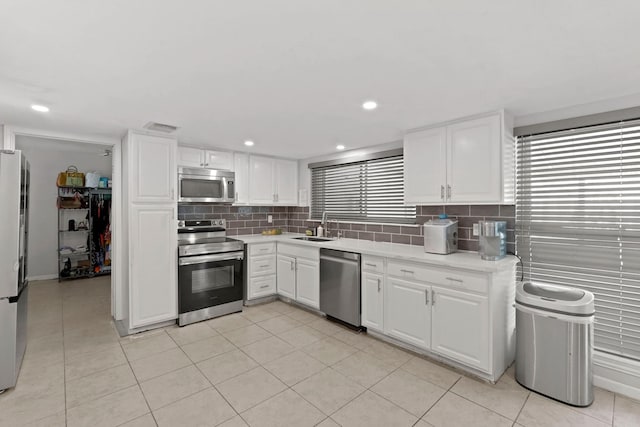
269 219
476 229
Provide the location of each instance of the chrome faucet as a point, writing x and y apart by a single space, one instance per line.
324 218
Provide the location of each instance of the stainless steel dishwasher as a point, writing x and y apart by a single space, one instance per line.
340 286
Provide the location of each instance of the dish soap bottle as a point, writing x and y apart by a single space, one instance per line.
320 231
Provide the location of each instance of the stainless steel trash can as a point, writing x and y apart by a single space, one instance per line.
554 341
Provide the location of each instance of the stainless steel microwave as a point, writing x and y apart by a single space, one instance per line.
206 185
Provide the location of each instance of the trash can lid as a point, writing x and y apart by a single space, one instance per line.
560 299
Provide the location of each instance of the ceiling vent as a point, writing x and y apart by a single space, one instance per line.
160 127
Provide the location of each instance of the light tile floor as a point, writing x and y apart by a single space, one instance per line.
272 365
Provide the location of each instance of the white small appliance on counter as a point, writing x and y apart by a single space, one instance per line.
441 235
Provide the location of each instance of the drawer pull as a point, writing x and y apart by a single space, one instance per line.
455 280
407 271
370 265
264 286
264 266
264 249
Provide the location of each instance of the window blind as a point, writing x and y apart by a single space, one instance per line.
578 222
370 190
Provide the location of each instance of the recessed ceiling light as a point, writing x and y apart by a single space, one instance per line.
370 105
248 143
340 147
40 108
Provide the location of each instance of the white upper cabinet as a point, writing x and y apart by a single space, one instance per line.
190 157
424 170
241 168
218 160
261 180
473 161
286 175
273 181
199 158
152 170
467 161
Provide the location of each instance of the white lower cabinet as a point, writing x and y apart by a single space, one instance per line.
462 315
299 273
262 286
287 276
153 275
261 270
408 312
291 271
372 300
308 282
460 326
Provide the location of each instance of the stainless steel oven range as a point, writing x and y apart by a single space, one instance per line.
210 271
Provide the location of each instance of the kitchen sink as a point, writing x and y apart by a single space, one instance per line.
313 239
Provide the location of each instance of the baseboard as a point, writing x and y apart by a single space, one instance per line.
43 277
616 374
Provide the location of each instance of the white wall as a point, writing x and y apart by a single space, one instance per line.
47 158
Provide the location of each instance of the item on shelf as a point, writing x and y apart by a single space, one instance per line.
272 232
104 182
92 179
66 271
89 252
70 178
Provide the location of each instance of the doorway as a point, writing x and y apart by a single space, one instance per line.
50 153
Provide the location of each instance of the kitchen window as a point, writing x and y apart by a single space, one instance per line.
578 222
370 189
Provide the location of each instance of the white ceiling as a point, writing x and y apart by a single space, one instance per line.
291 74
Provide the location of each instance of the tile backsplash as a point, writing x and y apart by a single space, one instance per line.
466 215
295 219
240 219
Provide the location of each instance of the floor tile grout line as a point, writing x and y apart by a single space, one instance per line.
64 360
217 391
138 385
522 408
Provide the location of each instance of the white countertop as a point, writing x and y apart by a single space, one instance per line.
465 260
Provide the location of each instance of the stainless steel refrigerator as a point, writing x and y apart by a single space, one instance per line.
14 210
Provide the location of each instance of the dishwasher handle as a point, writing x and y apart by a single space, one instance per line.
339 260
333 254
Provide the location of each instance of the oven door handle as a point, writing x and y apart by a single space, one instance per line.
201 259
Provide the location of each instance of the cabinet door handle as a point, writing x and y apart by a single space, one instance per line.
426 297
433 297
292 267
236 196
206 164
201 164
442 192
370 265
407 271
264 286
172 193
448 192
378 285
455 280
